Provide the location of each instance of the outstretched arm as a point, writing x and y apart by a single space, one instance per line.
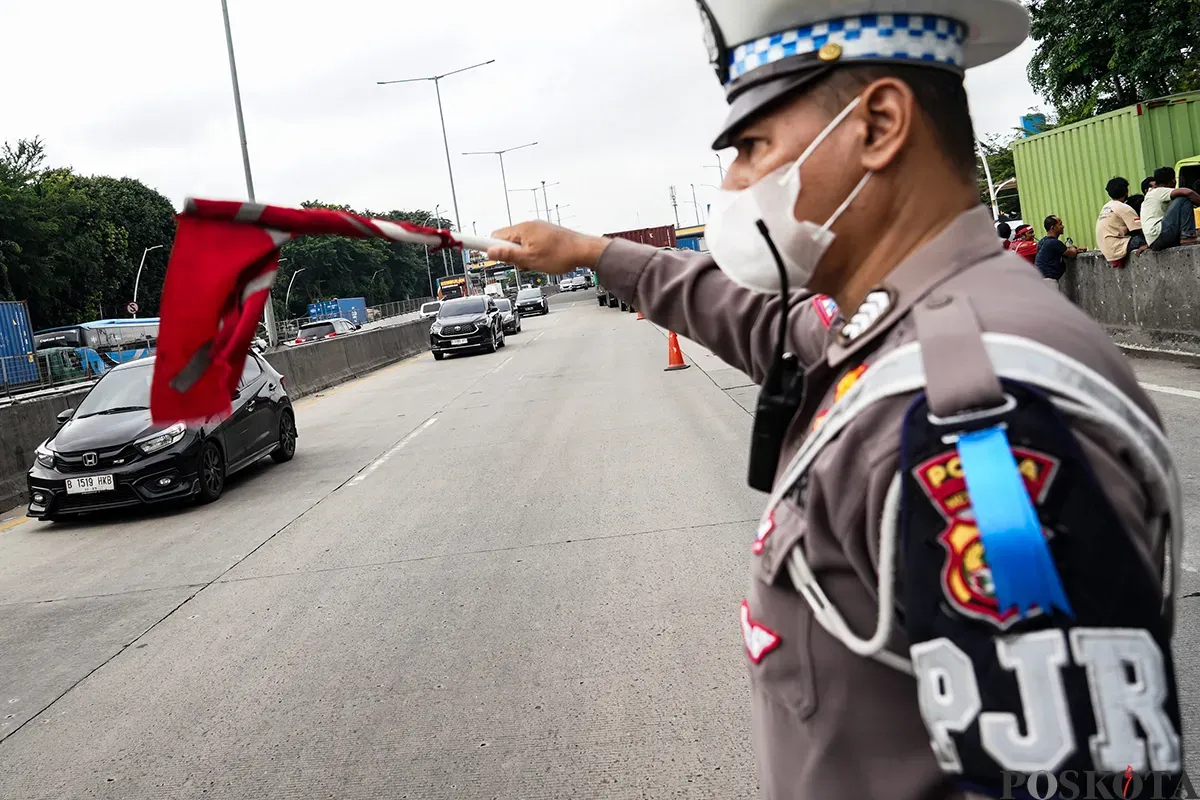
683 291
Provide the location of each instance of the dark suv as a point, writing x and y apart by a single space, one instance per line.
109 453
466 324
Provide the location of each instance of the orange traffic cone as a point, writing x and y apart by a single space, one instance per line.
640 315
674 354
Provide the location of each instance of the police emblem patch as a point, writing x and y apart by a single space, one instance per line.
759 639
966 577
826 308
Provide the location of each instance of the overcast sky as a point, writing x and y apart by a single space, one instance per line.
621 100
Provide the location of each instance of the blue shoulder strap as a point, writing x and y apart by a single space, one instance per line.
960 381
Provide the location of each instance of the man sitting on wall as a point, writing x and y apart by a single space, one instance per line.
1052 251
1168 219
1119 229
1024 244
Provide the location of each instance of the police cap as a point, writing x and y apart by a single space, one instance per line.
765 50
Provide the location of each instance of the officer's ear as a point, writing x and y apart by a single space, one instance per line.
890 109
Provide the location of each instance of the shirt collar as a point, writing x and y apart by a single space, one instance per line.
970 238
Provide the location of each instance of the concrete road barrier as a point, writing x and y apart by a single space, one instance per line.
306 369
1154 302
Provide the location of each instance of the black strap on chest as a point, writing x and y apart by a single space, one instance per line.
781 396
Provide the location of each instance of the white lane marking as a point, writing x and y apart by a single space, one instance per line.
383 459
502 366
1150 387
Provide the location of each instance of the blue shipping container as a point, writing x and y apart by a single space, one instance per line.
17 363
353 309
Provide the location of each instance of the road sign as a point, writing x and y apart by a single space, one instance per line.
132 308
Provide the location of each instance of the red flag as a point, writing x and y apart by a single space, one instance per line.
219 278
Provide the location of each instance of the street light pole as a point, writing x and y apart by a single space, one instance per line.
438 215
437 85
546 198
287 297
536 210
138 279
503 177
429 272
269 310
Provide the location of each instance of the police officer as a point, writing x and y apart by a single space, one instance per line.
958 584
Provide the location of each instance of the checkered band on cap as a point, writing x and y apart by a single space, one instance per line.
891 37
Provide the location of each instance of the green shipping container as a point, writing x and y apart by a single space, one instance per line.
1064 171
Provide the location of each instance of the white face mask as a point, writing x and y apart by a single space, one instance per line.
740 249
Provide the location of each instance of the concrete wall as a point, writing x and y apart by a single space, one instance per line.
306 369
1153 302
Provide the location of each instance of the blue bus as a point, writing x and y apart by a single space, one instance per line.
103 343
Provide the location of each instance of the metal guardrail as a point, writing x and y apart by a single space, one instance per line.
22 377
288 328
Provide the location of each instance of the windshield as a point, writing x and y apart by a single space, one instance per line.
463 306
126 389
503 306
529 294
315 331
430 308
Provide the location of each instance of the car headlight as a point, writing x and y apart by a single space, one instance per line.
44 455
162 439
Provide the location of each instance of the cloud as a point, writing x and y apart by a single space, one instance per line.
621 101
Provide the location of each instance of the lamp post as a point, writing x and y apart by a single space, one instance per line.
697 205
437 85
288 296
537 211
504 183
503 176
269 310
547 199
138 279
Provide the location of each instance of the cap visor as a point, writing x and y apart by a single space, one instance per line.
764 98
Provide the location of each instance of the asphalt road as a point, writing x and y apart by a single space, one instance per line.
505 576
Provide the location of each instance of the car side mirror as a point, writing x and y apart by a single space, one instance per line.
64 416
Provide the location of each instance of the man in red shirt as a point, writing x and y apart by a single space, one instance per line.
1025 245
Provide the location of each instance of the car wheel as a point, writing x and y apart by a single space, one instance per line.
518 327
287 438
212 473
491 346
503 341
438 356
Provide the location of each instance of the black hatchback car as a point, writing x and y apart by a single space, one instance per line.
466 324
109 454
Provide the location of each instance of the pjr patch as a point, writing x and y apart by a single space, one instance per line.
765 529
826 308
759 639
966 578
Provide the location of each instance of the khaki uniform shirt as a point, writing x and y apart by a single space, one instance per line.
828 724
